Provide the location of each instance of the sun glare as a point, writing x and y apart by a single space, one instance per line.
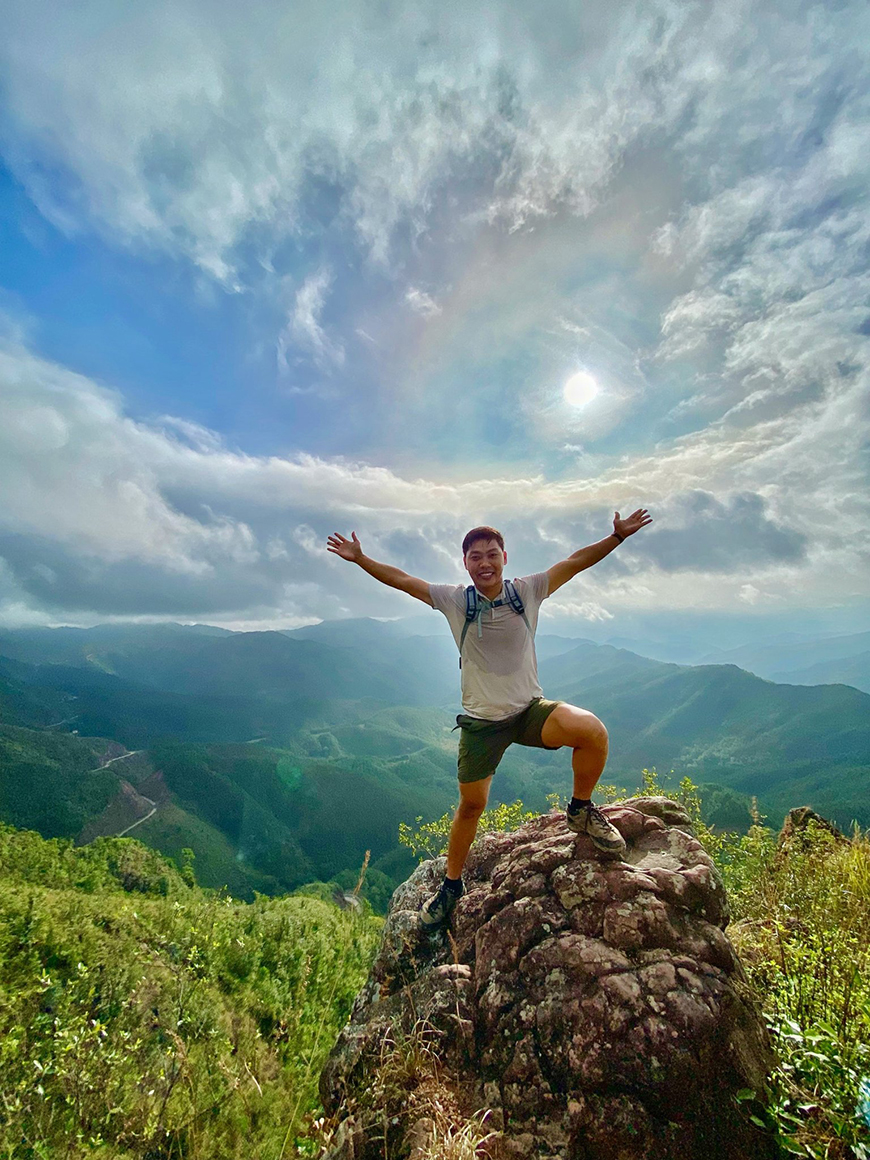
580 389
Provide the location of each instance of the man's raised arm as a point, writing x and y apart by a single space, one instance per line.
393 577
566 570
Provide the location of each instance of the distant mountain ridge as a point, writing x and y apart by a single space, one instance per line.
263 664
723 724
852 670
843 659
287 755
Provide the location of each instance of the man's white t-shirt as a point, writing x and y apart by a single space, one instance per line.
499 665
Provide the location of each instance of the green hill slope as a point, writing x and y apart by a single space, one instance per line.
33 706
182 660
51 782
853 670
143 1017
722 724
330 777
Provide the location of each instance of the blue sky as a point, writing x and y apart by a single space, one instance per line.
268 275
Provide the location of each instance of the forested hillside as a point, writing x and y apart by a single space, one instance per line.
782 743
282 758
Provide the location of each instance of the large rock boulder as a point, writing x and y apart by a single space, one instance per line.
594 1006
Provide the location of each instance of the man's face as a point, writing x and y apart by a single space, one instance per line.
485 563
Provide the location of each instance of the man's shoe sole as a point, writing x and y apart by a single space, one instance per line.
436 925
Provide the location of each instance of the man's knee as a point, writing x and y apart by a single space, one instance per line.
470 811
468 815
596 734
577 728
472 801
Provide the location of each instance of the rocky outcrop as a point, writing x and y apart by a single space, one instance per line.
800 821
594 1006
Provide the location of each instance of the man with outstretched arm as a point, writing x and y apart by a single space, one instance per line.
493 622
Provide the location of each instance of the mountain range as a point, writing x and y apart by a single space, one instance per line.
799 660
281 757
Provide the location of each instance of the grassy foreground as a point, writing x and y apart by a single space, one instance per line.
143 1017
801 925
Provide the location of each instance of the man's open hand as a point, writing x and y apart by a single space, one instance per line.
631 524
347 549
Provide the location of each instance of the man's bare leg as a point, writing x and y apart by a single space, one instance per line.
568 725
587 736
472 802
436 910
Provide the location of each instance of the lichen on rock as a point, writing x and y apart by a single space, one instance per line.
594 1007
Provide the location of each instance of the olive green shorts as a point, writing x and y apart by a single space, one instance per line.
482 743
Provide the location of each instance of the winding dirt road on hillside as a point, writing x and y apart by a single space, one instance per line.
142 819
151 802
112 760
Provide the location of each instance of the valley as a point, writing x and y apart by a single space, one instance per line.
278 759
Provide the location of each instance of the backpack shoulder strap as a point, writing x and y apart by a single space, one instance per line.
471 610
516 602
471 602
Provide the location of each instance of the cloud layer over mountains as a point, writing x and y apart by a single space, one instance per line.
423 218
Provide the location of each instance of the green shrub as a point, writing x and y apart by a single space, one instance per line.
429 839
143 1017
801 916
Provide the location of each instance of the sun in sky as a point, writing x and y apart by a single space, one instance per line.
392 275
580 389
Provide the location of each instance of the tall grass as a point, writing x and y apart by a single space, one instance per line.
800 913
143 1017
410 1104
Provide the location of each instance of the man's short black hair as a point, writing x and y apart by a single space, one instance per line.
482 533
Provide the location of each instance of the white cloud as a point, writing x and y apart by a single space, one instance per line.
119 517
304 330
185 127
307 539
680 199
76 469
421 302
577 610
199 437
752 595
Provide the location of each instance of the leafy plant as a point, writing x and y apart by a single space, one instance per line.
142 1016
802 912
429 839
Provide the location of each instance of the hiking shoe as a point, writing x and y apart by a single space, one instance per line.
590 820
437 909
